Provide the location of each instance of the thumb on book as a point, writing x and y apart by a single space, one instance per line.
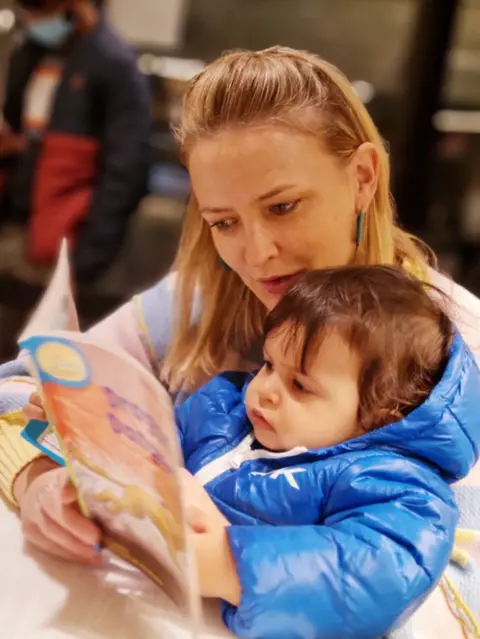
69 495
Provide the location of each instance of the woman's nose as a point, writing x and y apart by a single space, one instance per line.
260 247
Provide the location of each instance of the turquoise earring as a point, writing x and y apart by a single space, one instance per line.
223 264
359 231
360 224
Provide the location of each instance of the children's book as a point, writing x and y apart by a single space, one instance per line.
56 311
112 423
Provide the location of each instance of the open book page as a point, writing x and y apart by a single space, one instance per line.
117 430
56 310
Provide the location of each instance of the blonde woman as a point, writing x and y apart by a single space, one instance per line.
288 174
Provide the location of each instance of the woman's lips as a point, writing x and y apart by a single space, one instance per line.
279 285
259 421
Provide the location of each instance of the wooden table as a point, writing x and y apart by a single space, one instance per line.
42 598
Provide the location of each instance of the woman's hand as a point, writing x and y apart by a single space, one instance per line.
48 505
50 515
34 409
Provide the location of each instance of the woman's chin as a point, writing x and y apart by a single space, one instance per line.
269 300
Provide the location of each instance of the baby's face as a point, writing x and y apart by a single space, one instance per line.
288 408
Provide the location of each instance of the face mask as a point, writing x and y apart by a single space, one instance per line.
51 32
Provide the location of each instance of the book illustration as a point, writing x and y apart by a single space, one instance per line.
122 455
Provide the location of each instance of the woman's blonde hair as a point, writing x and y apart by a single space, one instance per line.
294 89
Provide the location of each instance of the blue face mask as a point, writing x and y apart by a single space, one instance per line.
51 32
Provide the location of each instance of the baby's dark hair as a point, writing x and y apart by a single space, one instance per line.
398 324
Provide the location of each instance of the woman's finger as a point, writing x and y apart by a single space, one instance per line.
53 532
32 412
34 408
36 400
51 518
58 502
69 494
69 519
83 529
72 519
40 542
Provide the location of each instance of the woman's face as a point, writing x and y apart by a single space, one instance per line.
278 204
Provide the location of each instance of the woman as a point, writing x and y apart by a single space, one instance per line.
289 174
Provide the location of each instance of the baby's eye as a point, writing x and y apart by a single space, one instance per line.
283 208
268 366
299 386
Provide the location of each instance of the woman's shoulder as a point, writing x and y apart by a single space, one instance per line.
465 309
157 296
142 326
458 293
155 311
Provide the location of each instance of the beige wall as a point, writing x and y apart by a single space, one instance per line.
150 23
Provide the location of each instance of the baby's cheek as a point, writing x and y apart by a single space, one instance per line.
250 396
291 427
307 428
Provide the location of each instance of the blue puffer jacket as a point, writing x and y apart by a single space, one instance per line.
341 542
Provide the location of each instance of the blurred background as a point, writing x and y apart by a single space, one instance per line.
415 64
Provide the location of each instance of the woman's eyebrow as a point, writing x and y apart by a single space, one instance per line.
217 210
221 210
275 191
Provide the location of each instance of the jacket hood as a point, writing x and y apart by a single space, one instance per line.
444 431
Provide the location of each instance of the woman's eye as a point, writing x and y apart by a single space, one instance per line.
222 225
283 208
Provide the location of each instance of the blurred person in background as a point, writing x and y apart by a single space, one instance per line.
74 144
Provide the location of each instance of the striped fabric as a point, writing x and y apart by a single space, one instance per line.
15 453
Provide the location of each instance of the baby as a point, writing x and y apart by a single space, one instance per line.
329 469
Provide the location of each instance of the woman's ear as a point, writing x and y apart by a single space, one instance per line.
366 167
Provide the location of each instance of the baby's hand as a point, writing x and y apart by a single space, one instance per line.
34 409
202 514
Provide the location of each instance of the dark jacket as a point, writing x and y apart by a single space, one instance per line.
87 173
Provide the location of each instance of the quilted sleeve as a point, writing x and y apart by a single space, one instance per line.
384 544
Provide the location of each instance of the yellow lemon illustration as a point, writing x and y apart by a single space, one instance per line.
61 362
